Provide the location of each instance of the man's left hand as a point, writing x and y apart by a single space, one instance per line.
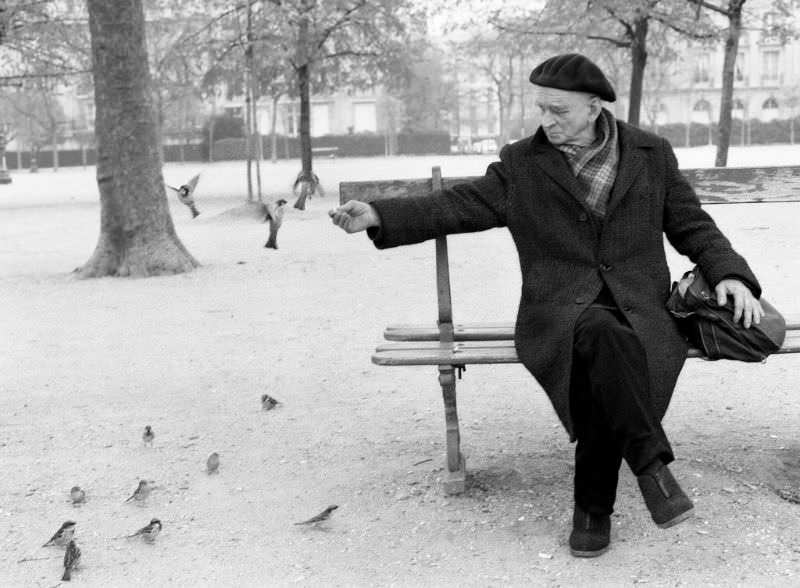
745 305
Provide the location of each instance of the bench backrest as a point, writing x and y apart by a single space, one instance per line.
718 185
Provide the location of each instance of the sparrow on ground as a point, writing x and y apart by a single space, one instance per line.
268 402
274 214
186 194
149 532
212 463
323 516
72 557
63 535
142 491
77 496
148 435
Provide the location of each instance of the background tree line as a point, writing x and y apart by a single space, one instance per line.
264 50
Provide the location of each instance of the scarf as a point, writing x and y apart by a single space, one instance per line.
595 166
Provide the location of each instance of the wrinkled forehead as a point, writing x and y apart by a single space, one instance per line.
546 96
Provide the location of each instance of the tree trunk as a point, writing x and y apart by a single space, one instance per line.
306 177
5 178
638 63
726 99
248 92
273 143
137 236
306 173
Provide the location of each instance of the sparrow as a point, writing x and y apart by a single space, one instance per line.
63 535
323 516
148 436
275 217
149 532
77 495
268 402
72 557
186 194
308 184
142 491
212 463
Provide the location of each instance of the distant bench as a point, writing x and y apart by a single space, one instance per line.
452 346
329 151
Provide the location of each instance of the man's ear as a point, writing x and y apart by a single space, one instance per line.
595 107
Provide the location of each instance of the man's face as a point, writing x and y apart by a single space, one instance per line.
567 117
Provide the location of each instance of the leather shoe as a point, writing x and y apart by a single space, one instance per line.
591 534
666 501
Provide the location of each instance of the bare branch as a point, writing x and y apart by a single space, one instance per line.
326 33
709 6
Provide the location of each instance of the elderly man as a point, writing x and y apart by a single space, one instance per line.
587 200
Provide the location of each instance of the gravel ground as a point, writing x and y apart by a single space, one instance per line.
85 365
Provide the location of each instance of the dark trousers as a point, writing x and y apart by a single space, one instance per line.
611 408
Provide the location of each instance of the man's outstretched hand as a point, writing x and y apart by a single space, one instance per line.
354 216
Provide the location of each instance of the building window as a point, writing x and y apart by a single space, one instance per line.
702 67
662 115
291 117
364 119
769 66
320 119
770 103
739 70
702 105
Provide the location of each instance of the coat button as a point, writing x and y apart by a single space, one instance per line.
579 300
583 217
605 267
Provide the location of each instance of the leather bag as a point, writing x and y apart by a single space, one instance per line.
711 328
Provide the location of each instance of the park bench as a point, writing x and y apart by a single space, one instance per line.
329 151
451 346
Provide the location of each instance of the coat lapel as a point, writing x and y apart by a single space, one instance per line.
552 163
629 166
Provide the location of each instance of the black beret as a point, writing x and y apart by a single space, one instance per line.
573 72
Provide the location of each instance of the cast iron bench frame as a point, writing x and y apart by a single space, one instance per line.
452 346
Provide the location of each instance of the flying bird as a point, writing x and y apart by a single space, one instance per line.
186 194
142 491
268 402
148 435
64 534
275 217
212 463
77 496
149 532
323 516
72 557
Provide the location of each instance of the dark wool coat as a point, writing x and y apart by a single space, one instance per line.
566 254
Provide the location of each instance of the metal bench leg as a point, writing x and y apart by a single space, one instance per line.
455 482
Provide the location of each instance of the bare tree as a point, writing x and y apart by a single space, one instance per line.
625 24
137 235
733 12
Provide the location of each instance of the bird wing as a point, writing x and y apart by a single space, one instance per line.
171 188
192 184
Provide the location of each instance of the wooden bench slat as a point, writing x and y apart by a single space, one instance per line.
486 352
716 185
502 331
488 331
